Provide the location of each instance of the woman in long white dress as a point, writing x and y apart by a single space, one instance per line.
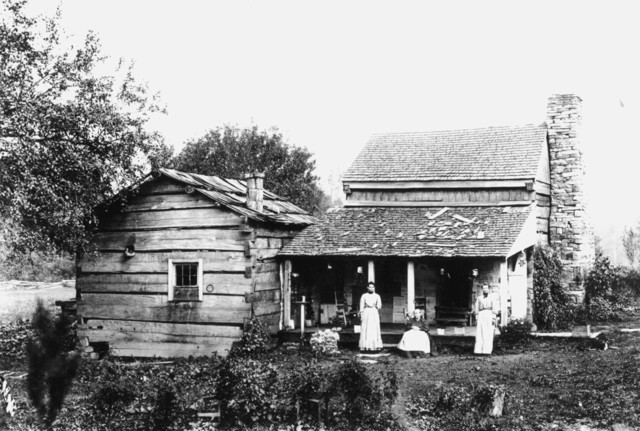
486 312
370 304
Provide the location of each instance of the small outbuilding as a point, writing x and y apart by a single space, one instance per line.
182 261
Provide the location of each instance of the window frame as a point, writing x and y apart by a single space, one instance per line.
172 278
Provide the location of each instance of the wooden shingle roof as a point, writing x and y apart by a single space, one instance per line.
232 194
493 153
412 232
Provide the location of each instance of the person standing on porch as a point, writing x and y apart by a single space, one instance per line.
485 312
370 304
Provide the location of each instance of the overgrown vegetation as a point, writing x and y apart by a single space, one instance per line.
454 407
52 363
609 290
516 333
36 266
552 307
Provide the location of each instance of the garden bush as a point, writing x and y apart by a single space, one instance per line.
516 333
255 341
364 396
325 342
454 407
553 308
246 392
608 289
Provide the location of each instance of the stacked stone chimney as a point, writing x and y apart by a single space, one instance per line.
255 190
570 232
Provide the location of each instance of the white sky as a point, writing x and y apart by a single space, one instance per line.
329 74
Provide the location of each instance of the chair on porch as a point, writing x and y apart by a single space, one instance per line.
420 303
341 309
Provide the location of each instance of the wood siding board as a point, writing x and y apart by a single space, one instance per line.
266 280
219 309
195 217
170 350
157 283
438 184
214 261
266 308
173 239
165 327
167 202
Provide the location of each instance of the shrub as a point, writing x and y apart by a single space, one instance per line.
245 392
325 342
553 308
601 281
628 290
516 333
365 395
255 341
607 290
600 310
51 367
111 398
454 408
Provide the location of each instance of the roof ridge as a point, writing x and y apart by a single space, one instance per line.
465 129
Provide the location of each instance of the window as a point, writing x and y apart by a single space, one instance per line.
185 280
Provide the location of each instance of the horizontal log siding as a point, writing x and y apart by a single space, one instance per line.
160 339
157 308
444 196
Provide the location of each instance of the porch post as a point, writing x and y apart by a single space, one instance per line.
286 293
371 270
504 292
411 286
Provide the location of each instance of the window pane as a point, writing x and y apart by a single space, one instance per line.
186 274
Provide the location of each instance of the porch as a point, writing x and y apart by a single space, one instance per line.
391 335
327 290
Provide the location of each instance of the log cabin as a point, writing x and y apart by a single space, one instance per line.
182 261
431 217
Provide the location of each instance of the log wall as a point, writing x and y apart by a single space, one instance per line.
442 195
124 300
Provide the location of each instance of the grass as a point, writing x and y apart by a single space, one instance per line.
19 300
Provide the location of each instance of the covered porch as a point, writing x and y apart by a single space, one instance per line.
435 259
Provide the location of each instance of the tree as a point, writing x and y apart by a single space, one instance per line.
69 137
631 244
231 152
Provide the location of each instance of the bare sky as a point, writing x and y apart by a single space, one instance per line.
329 74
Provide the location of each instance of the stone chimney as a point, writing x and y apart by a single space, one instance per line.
255 190
570 232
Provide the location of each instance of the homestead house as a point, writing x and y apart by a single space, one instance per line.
182 262
432 216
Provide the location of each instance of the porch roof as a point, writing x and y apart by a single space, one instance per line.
414 231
